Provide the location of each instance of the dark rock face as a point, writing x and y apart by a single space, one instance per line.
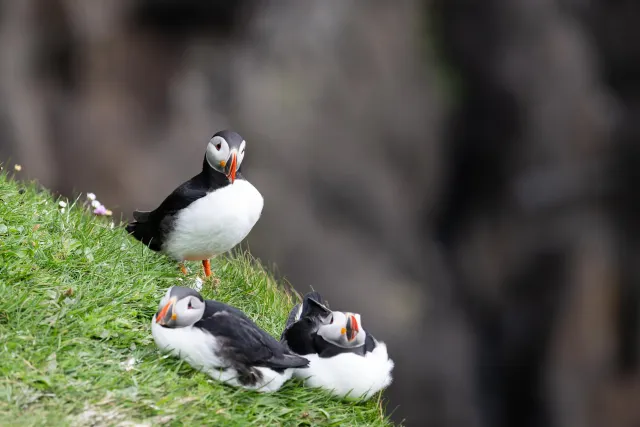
461 174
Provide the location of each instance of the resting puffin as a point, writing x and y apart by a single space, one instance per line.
221 341
343 358
207 215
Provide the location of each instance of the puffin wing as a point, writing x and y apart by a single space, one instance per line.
149 226
299 337
314 308
302 324
212 307
294 316
244 343
312 302
181 197
370 343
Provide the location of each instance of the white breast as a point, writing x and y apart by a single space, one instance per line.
199 349
214 224
349 375
195 346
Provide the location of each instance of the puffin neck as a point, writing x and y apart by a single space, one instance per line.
211 177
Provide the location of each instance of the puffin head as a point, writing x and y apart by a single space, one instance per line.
342 329
180 307
225 152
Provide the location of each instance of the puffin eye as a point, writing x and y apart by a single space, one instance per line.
331 321
189 306
218 145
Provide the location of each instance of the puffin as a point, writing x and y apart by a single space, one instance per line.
221 341
207 215
344 359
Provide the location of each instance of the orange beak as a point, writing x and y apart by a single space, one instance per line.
166 313
352 328
233 165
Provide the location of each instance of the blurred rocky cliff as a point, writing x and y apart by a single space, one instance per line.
461 173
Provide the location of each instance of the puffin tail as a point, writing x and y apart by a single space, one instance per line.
297 361
131 227
288 361
141 229
139 217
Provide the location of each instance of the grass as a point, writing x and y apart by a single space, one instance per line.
77 297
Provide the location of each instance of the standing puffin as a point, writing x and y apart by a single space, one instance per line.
221 341
207 215
343 358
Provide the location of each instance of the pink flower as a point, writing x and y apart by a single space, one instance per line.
100 210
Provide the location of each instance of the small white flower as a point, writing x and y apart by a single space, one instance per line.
17 167
197 285
95 203
112 225
62 204
129 364
62 210
91 196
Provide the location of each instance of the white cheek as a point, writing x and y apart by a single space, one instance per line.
215 156
330 333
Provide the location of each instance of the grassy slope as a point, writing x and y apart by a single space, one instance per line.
75 308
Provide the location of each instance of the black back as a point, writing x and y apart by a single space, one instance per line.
299 337
243 343
152 227
313 307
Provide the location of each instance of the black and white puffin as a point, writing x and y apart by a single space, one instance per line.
207 215
221 341
343 358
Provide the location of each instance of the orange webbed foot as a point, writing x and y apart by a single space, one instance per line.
207 267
